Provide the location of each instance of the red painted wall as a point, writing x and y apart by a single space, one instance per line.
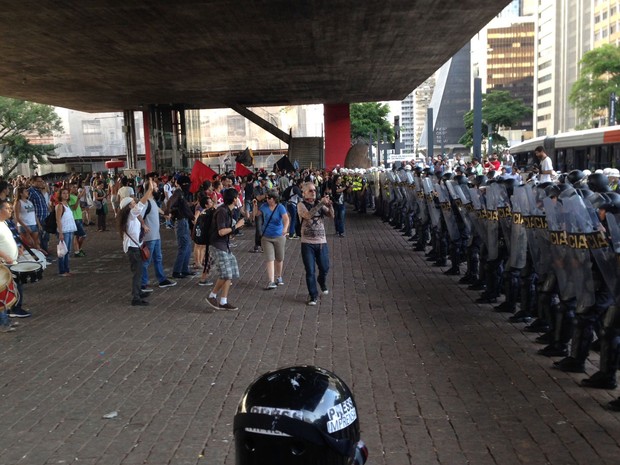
337 134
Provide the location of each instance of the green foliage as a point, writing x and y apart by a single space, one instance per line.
499 110
599 76
366 118
19 121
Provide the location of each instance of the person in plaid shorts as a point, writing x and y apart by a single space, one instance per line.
225 263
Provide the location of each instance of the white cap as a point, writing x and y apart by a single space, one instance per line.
407 167
614 172
126 201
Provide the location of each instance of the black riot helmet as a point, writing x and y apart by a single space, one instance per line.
298 415
460 179
480 180
576 178
611 202
555 190
510 184
598 182
447 176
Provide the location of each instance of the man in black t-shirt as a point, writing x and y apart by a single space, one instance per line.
225 262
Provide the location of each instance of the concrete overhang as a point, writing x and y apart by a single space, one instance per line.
99 55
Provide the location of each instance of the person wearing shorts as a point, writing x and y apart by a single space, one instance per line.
224 261
275 226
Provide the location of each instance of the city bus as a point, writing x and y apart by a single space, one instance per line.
590 149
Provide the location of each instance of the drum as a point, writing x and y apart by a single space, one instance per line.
34 255
27 271
8 292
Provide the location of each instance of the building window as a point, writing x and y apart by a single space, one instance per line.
236 126
92 126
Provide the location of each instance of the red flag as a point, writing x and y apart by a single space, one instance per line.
200 174
242 170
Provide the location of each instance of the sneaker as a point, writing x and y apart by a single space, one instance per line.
312 302
167 283
178 275
7 329
80 253
280 281
257 250
325 291
144 295
189 273
21 313
146 289
228 306
295 236
271 285
139 303
205 283
14 324
213 302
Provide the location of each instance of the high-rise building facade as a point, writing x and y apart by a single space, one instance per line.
564 34
606 22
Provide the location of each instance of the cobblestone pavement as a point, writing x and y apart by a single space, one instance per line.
438 379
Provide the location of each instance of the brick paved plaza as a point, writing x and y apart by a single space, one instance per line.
437 378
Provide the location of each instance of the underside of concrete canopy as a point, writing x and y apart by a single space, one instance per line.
101 55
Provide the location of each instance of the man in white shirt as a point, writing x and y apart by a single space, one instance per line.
546 165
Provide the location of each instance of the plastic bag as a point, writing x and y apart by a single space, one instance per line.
61 249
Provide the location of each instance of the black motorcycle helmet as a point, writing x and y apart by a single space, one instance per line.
576 178
298 415
598 182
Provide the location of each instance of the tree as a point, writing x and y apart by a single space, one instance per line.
367 118
499 110
21 121
599 76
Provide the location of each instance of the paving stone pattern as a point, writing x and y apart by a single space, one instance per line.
437 378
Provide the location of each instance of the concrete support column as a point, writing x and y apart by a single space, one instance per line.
147 141
129 128
337 134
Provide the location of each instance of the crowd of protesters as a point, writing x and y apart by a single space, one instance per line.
278 206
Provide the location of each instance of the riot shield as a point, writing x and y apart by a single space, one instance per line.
518 238
492 223
612 276
421 201
446 211
476 212
537 232
561 257
503 211
429 193
461 201
579 229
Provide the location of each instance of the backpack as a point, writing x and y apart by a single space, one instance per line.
202 229
50 226
286 195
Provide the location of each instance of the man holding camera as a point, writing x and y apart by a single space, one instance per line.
314 240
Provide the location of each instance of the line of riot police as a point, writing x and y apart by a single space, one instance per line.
552 250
